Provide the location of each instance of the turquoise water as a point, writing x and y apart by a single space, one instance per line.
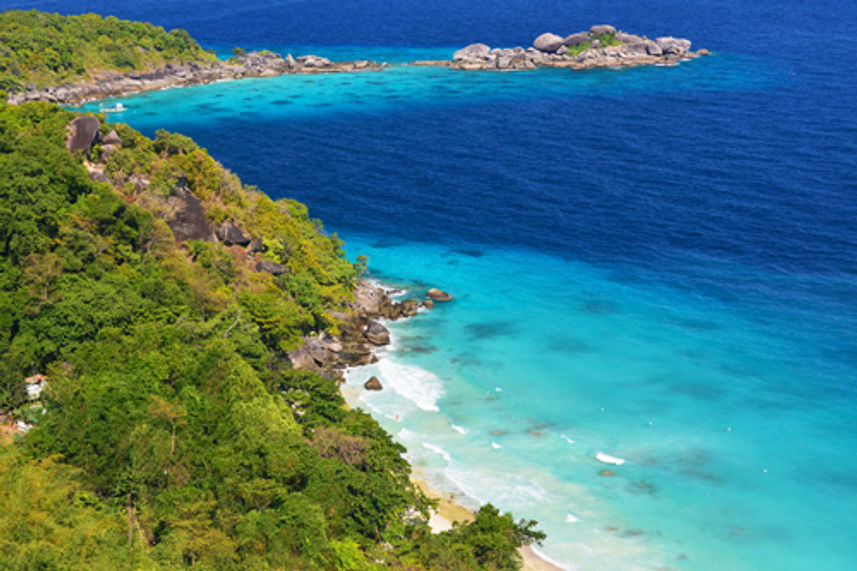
509 392
648 265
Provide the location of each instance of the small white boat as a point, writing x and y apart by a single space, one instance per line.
117 108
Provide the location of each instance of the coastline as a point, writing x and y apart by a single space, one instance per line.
251 65
373 301
449 511
601 47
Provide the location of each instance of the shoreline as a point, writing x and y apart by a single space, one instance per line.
449 511
601 47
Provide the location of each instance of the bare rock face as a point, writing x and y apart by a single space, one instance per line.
377 334
438 295
373 384
654 49
271 267
112 138
231 234
82 134
673 46
472 52
187 217
602 30
548 43
576 39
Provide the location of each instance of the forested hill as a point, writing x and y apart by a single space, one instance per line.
40 49
150 297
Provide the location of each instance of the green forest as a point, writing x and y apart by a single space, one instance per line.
40 49
171 430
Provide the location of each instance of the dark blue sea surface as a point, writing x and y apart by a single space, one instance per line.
657 264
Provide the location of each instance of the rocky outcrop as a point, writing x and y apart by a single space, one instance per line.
373 384
548 43
360 331
271 267
253 64
231 234
186 217
473 51
82 134
377 334
438 295
601 46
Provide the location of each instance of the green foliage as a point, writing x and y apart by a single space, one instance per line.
50 521
578 49
48 49
606 40
170 407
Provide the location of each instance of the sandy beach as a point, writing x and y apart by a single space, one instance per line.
449 511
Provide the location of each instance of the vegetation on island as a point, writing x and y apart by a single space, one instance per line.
605 40
171 431
41 49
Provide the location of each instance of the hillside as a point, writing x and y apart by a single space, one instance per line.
38 49
147 301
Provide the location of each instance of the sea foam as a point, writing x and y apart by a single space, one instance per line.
607 459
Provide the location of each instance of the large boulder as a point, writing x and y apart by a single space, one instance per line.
438 295
82 134
548 43
271 267
373 384
576 39
472 52
112 138
186 217
601 30
629 38
673 46
377 334
230 234
654 49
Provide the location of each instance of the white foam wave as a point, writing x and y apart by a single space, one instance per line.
607 459
495 446
567 439
571 518
407 435
438 450
417 385
459 429
550 560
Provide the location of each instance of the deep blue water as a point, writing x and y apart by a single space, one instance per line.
657 264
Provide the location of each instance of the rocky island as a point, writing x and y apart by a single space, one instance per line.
601 46
75 59
253 64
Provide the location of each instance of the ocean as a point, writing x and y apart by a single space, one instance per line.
652 346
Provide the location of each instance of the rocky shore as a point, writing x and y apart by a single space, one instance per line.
252 64
360 333
601 46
